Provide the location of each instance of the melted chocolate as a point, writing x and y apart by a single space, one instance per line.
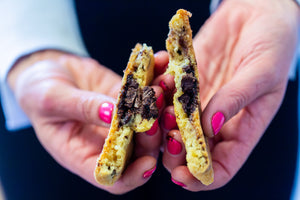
149 109
189 86
136 100
188 69
182 43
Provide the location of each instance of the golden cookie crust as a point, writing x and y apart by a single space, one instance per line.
118 145
182 64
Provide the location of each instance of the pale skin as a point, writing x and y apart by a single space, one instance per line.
243 52
61 95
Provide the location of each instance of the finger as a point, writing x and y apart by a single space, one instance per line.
209 44
100 79
174 153
166 82
243 89
168 120
136 174
228 157
69 103
161 62
148 143
181 176
159 94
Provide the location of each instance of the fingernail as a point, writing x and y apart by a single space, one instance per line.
163 85
159 101
105 112
169 121
153 129
178 183
217 122
174 147
149 173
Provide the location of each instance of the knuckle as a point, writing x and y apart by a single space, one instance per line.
92 63
238 101
46 101
85 107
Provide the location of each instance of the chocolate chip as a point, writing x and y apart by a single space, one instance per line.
189 98
130 96
179 52
127 100
188 69
114 172
126 118
188 83
182 42
149 104
136 100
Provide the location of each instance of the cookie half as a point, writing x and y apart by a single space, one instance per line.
135 111
182 64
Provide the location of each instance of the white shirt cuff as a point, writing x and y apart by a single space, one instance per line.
31 26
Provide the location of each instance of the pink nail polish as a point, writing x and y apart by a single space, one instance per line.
169 121
149 173
163 85
174 147
159 101
153 129
178 183
217 122
105 112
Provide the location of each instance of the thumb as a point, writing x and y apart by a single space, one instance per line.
75 104
245 87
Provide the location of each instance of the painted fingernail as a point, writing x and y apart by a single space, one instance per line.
159 101
169 121
105 112
149 173
174 147
178 183
217 122
163 85
153 129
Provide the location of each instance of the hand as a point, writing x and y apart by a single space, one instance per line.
244 52
62 94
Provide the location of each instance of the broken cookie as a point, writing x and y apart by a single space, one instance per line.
135 111
182 64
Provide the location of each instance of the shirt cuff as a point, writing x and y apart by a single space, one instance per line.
15 118
33 26
214 5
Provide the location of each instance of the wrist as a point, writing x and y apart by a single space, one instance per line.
26 61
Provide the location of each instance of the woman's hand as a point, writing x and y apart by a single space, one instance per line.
244 53
69 100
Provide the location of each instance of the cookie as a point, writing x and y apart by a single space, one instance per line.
182 65
135 111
